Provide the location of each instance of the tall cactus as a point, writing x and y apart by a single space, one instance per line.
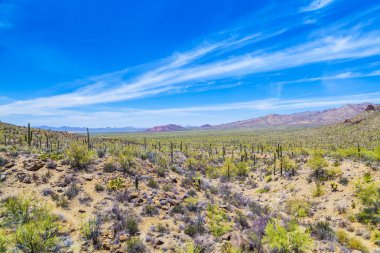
29 136
88 139
171 152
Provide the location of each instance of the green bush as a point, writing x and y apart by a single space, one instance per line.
297 208
190 247
29 225
91 230
353 242
286 240
115 184
79 155
369 194
218 221
134 245
318 164
37 236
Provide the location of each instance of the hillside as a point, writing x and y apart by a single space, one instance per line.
301 119
209 191
166 128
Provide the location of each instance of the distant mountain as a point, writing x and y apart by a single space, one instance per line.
92 130
301 119
166 128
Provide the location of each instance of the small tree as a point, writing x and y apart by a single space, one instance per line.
317 163
79 155
287 239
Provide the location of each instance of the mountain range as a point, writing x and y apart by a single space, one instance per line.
300 119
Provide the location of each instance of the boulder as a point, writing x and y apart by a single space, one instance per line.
33 165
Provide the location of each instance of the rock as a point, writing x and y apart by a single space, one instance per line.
59 169
10 165
239 240
123 238
3 177
88 177
134 195
24 178
33 165
159 242
107 244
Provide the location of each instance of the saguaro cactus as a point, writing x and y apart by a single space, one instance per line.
171 152
29 136
88 139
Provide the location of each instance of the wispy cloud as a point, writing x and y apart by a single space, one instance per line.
187 115
212 65
316 5
343 75
182 69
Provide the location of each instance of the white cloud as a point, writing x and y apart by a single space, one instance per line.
191 115
316 5
182 69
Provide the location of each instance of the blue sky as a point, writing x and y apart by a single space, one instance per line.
190 62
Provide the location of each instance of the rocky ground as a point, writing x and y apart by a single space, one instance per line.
77 195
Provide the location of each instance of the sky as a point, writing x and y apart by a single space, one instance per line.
190 62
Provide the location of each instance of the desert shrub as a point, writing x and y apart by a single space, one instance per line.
161 171
3 241
3 161
228 169
288 164
109 165
346 152
37 236
60 200
323 231
30 226
369 194
91 230
132 225
353 242
228 248
101 152
17 210
191 204
342 206
375 236
344 181
267 179
72 191
150 210
217 220
297 208
318 191
242 220
99 187
126 161
318 164
265 189
191 247
195 227
258 231
153 183
242 169
177 209
287 239
115 184
79 155
333 172
134 245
